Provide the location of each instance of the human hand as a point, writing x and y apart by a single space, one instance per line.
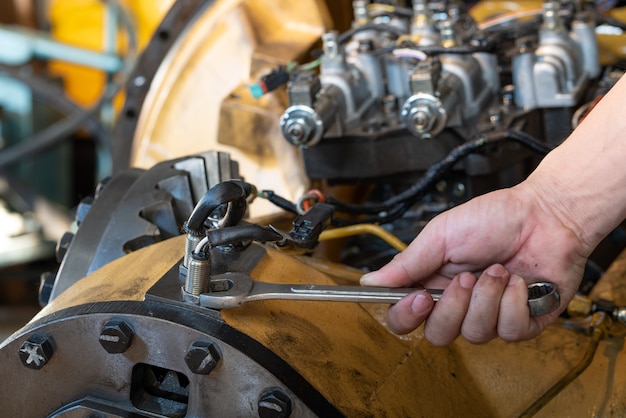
484 253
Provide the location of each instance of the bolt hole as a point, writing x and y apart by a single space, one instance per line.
131 113
164 35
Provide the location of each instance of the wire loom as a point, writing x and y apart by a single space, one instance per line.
396 206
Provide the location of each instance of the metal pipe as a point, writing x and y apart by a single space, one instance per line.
599 331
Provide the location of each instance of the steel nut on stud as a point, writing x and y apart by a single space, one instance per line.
116 336
202 357
36 351
274 403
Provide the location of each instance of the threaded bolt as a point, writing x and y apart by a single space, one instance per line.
190 245
198 275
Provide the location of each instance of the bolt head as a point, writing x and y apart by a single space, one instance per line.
116 336
36 351
83 209
46 285
202 357
274 403
422 119
63 245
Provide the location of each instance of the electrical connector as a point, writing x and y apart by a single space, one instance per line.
270 82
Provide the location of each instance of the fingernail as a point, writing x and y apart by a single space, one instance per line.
514 279
367 279
467 280
420 303
497 270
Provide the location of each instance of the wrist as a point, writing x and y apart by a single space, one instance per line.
575 202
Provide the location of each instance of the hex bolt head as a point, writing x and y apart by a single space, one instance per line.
274 403
116 336
36 351
202 357
83 209
46 285
63 245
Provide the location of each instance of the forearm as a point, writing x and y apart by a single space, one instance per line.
583 180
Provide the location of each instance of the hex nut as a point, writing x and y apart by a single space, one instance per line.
274 403
116 336
36 351
202 357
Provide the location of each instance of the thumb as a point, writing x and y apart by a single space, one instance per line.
393 275
422 258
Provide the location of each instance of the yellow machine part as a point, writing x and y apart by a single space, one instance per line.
82 23
345 351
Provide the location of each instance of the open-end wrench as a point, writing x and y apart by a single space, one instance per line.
233 289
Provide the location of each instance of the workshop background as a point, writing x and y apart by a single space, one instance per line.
41 186
89 88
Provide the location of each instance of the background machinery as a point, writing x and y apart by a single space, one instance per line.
278 142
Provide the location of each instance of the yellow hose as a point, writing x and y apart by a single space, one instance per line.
348 231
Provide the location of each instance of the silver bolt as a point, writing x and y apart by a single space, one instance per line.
422 119
359 8
330 45
551 19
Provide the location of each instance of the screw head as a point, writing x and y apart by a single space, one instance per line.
63 245
116 336
202 357
36 351
422 119
274 403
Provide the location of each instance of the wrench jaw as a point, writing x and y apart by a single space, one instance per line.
227 290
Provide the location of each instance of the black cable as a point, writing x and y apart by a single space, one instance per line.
381 218
398 11
527 140
279 201
221 193
436 170
603 18
344 37
240 233
393 208
487 45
